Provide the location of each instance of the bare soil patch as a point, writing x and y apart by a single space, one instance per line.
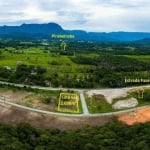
13 116
128 103
139 116
27 99
109 94
14 96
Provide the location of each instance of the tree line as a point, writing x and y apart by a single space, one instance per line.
113 136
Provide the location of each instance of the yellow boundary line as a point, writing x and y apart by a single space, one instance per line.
76 98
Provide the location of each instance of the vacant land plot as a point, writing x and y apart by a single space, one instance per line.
97 104
11 115
68 102
139 116
47 100
101 101
108 100
109 94
123 104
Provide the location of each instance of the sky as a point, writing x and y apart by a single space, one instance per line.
89 15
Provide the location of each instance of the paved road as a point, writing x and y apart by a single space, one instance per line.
83 102
74 89
6 101
40 87
84 106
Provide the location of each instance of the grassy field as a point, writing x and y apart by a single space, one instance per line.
98 104
37 57
144 58
75 68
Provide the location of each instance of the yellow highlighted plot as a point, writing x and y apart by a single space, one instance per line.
68 102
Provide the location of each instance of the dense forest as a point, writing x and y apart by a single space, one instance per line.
113 136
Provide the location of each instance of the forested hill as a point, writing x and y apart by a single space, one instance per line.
44 31
145 41
114 136
32 29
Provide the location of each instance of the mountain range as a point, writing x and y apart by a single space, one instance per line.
44 31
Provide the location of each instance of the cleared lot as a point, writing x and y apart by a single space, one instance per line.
14 116
139 116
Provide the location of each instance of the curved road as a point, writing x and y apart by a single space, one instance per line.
5 101
83 102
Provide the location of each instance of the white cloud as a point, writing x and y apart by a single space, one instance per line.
91 15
